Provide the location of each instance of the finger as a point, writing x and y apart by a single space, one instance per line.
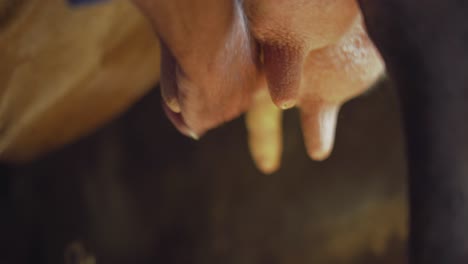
318 126
168 82
283 68
178 121
263 121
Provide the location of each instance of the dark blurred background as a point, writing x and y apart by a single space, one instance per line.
136 191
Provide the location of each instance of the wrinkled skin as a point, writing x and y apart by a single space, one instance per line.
315 55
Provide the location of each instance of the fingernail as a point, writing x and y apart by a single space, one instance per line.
193 135
173 104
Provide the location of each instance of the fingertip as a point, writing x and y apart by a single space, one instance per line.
178 121
172 103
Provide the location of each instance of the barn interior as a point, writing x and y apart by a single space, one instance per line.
134 190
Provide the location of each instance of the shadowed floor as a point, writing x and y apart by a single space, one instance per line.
138 192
